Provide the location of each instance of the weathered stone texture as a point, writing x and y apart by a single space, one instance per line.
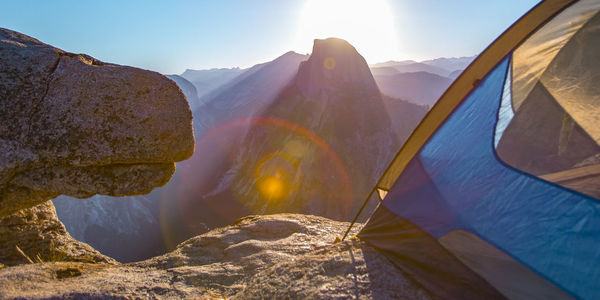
71 124
41 236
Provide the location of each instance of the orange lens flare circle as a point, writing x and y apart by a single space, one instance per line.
272 188
277 175
329 63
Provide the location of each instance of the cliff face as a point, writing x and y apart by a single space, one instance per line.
321 145
73 125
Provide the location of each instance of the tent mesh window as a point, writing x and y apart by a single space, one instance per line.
551 126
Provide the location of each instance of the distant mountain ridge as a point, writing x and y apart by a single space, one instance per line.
391 63
251 90
443 65
422 67
422 82
212 84
421 88
451 63
206 81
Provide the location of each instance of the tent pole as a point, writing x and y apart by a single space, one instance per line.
358 213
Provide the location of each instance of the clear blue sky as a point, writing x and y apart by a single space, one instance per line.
170 36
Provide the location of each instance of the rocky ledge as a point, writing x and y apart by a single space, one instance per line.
71 124
274 256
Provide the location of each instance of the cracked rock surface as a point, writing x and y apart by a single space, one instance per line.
41 236
273 256
73 125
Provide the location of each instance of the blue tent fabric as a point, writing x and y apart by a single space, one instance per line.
457 181
423 259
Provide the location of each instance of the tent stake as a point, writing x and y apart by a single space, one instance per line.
358 214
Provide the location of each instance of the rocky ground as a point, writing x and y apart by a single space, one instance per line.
36 234
274 256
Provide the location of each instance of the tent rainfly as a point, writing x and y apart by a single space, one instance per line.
496 193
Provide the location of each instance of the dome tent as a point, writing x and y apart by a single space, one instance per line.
496 193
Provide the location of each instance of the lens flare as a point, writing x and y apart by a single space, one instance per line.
329 63
276 175
296 148
272 188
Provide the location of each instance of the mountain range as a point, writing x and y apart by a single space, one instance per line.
207 80
418 82
307 134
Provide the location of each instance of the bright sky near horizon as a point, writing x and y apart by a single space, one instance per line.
171 36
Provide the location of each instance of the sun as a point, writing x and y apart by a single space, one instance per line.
366 24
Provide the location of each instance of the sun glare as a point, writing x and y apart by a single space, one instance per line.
366 24
272 188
